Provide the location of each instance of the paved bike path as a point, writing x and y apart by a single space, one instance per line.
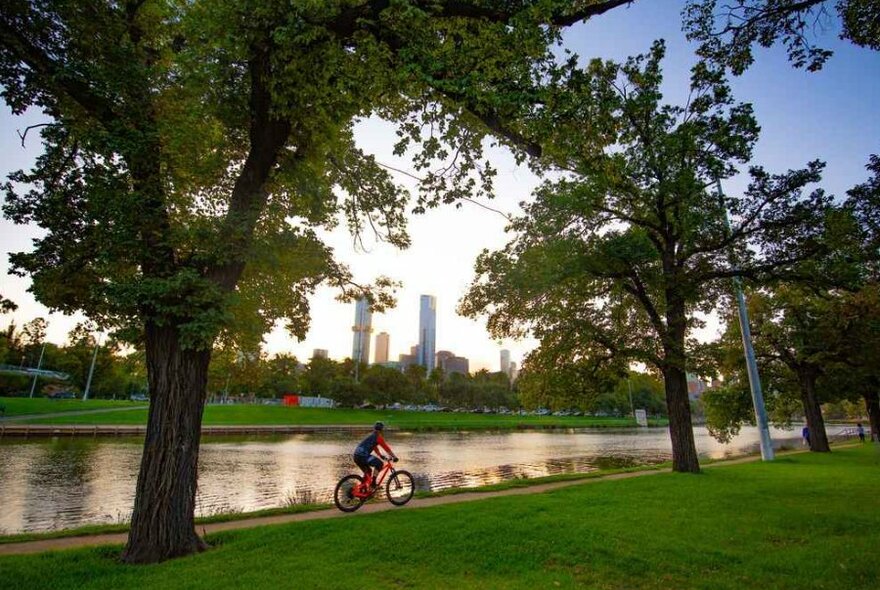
370 508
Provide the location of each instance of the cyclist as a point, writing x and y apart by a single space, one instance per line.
364 458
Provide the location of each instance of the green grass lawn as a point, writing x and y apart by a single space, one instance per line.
19 406
280 415
805 521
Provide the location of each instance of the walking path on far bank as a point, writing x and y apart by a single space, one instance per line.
39 546
25 417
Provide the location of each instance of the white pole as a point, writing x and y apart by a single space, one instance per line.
749 352
91 372
39 364
632 408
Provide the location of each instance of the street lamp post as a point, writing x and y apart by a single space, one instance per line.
91 372
749 352
37 374
632 407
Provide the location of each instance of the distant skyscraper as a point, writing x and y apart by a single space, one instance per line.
382 342
442 357
409 359
427 331
514 372
505 362
319 353
363 326
451 363
457 364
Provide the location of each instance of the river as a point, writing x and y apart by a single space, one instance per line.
48 484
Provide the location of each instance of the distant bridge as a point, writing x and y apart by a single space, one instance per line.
30 371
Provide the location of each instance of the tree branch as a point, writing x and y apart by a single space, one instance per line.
268 135
99 107
23 136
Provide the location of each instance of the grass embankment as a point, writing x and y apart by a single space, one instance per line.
105 529
101 529
23 406
804 521
255 415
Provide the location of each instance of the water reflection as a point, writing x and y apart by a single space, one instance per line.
67 482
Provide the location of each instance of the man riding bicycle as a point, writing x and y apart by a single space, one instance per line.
363 454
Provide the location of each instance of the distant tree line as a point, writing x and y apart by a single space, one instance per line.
234 373
119 372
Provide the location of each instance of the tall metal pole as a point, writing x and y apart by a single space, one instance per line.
37 374
749 352
91 372
632 408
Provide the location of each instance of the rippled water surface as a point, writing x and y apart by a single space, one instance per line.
67 482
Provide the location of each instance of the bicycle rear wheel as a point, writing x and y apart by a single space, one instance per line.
343 495
400 488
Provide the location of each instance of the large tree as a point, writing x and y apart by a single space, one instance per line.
813 347
613 260
794 330
191 149
858 320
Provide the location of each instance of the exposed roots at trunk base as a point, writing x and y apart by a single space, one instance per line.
692 466
144 553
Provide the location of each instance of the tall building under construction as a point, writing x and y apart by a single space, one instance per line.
362 328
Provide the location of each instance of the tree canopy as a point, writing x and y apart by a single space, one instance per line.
612 262
194 150
728 31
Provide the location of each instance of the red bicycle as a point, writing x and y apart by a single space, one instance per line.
351 493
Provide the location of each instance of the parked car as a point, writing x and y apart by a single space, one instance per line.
138 397
62 395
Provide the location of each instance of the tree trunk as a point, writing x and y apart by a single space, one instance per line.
162 524
813 411
681 431
872 405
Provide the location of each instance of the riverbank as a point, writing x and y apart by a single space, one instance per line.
804 521
267 416
115 533
257 517
15 408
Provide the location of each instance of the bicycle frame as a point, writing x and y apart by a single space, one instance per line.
387 467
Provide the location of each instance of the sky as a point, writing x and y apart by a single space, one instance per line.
830 115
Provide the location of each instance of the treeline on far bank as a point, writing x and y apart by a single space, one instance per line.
120 372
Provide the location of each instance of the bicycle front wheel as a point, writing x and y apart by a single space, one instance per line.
400 488
344 497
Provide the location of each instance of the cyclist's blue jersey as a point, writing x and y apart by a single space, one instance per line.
369 444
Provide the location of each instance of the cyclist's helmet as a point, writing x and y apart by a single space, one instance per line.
379 426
